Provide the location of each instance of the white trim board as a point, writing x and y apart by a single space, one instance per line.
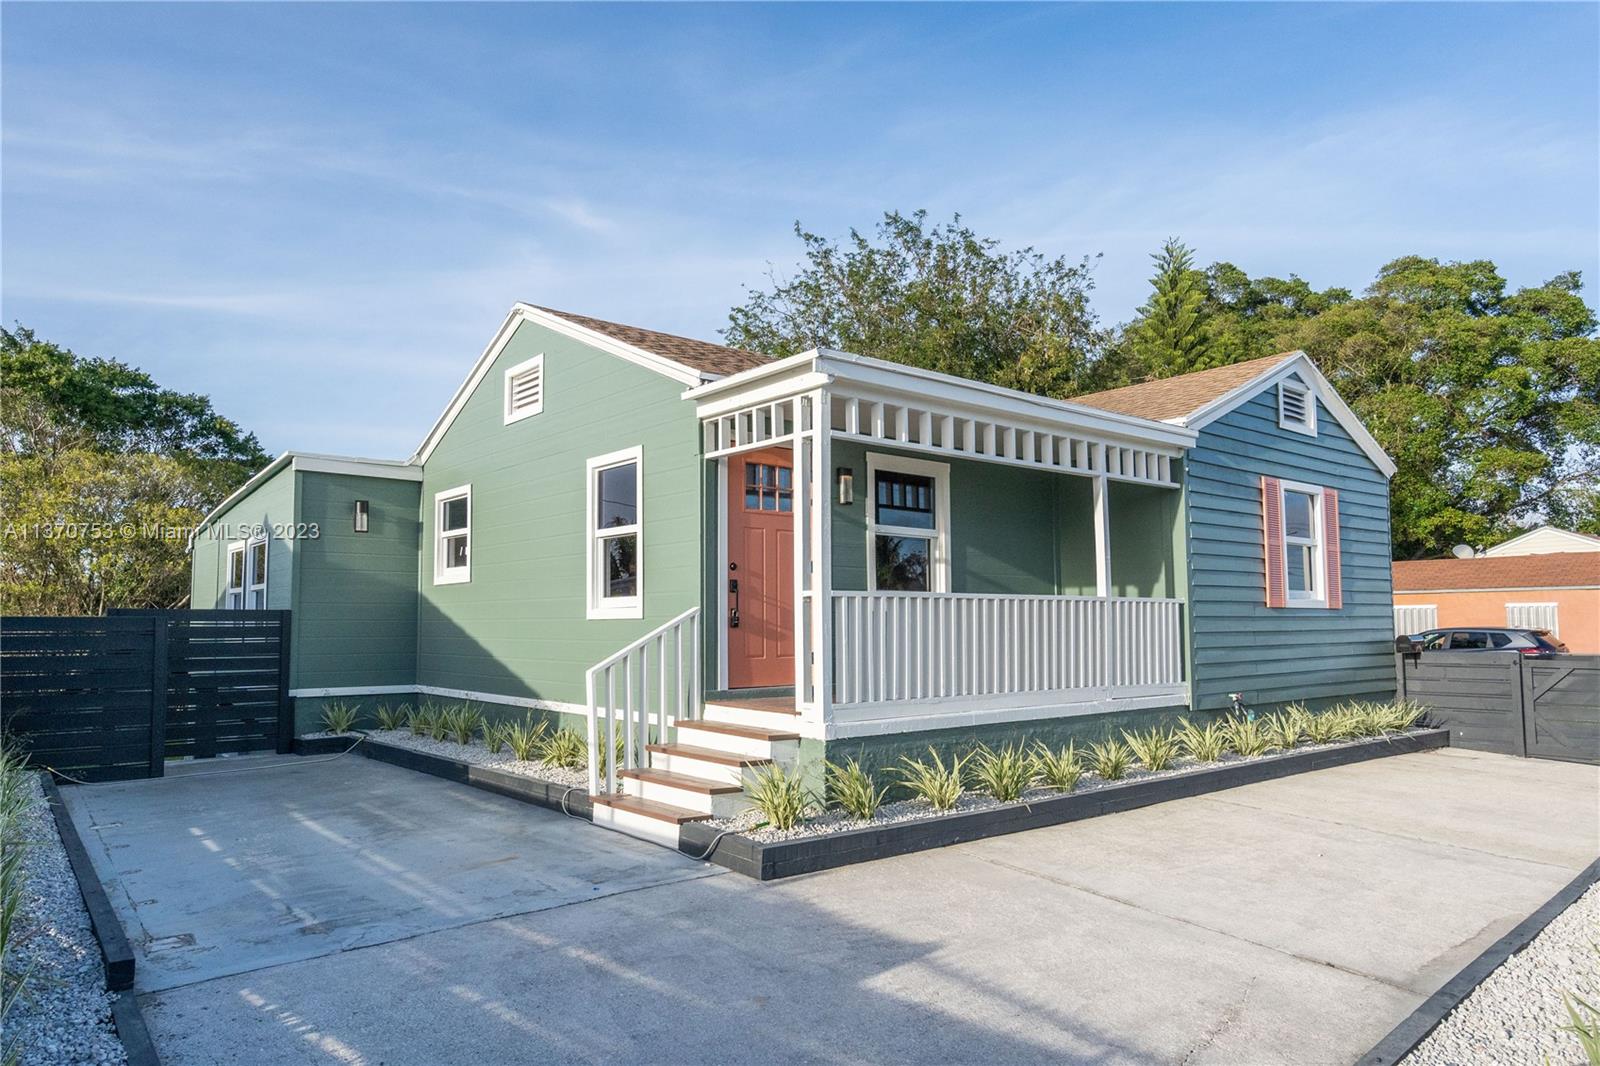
843 729
434 690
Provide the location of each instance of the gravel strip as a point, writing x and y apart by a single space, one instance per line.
478 755
821 823
1515 1016
63 1016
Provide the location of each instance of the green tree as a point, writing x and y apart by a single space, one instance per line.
1172 332
938 297
102 473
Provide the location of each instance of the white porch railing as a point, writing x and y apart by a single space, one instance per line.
662 664
901 646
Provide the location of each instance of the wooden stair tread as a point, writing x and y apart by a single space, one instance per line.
724 758
684 781
661 812
777 705
749 732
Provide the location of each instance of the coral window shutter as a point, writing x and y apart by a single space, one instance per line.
1330 522
1272 521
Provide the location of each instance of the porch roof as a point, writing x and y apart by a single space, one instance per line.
923 410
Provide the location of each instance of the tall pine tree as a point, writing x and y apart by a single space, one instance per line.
1172 334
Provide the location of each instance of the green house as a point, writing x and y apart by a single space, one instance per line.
726 558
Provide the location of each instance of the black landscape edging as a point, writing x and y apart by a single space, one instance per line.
527 789
787 858
1405 1037
115 951
324 745
132 1031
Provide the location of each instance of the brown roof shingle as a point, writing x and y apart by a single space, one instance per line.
1182 395
1556 570
700 355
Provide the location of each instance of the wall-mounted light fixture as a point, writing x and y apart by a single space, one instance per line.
847 485
361 516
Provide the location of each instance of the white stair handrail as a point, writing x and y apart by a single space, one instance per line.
675 648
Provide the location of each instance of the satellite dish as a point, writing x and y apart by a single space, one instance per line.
1462 551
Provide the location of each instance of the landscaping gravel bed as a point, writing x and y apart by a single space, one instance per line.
1515 1016
64 1013
478 755
821 823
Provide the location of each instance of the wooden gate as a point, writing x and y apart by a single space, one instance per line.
1505 702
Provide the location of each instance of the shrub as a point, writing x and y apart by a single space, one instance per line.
565 748
935 782
339 716
1284 728
438 722
1322 728
1155 748
494 737
526 738
1205 743
465 721
1004 774
778 797
393 718
1110 758
420 721
1403 715
1060 769
1246 736
853 789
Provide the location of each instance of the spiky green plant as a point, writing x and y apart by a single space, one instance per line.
1285 728
1004 773
420 721
494 737
1246 736
439 723
465 721
391 718
339 716
780 798
1058 768
565 748
618 752
1403 715
1110 759
16 798
1204 743
853 789
1322 728
933 781
1154 748
526 738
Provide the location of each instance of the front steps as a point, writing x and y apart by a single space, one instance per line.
702 774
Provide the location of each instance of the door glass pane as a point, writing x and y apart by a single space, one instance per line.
904 500
619 496
767 487
455 552
455 514
1297 515
619 556
904 564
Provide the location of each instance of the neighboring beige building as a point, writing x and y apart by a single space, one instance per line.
1545 540
1559 591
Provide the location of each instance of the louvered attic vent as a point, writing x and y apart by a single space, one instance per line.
1294 407
525 389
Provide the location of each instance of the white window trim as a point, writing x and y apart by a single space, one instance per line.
251 584
229 589
511 372
1309 428
599 605
1319 535
940 535
1555 609
459 575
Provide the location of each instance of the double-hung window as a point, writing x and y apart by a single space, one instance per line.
452 536
247 576
908 524
1302 544
615 534
257 576
233 598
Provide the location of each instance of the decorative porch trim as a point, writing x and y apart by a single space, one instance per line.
846 725
451 693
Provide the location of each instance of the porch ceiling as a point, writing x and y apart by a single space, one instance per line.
919 410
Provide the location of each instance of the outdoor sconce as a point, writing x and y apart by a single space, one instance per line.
361 516
847 485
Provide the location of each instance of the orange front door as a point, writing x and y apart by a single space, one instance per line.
760 578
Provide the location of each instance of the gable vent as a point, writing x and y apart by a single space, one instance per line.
1294 407
525 389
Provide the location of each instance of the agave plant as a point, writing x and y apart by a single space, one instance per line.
1059 768
932 780
853 789
1005 773
779 797
1322 728
1205 743
1155 748
392 718
1110 759
339 716
1246 736
420 721
465 721
525 738
566 748
439 723
494 737
1285 728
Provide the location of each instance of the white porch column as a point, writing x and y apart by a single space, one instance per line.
821 515
802 557
1102 538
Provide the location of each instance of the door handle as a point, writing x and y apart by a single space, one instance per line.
733 612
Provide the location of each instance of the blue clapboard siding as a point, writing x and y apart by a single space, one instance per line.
1278 655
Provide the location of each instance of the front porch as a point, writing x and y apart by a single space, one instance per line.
960 554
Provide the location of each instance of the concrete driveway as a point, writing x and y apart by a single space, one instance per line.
352 912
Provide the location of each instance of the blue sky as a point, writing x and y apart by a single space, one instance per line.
319 214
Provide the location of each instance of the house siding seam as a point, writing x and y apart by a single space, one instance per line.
1280 655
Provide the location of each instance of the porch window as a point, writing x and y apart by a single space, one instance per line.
616 524
452 558
233 599
1302 542
908 524
257 574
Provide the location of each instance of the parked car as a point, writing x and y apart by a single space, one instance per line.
1539 643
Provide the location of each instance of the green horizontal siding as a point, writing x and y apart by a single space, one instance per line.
1277 655
270 504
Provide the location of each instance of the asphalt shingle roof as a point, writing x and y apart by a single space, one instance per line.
700 355
1177 397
